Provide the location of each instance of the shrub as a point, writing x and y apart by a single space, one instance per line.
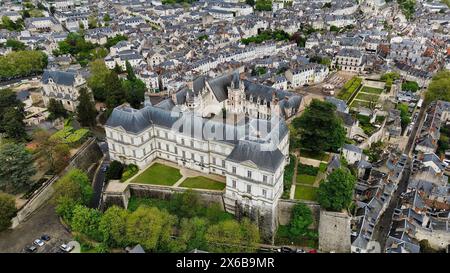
130 171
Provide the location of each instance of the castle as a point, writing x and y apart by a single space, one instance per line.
249 145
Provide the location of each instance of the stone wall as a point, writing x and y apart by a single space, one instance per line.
334 232
87 156
285 208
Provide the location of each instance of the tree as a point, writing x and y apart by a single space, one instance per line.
336 192
116 94
135 92
7 210
97 80
410 86
12 123
115 170
250 2
106 17
22 63
319 128
74 185
145 226
130 73
263 5
186 203
113 226
52 150
86 221
56 110
405 117
192 233
301 219
16 168
439 88
86 109
15 45
230 237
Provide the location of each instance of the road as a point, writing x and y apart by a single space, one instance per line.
99 178
383 227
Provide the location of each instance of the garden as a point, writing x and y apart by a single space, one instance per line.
305 188
349 88
71 136
201 182
158 174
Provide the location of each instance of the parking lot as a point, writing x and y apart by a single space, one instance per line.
43 221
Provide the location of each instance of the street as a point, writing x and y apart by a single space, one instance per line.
100 176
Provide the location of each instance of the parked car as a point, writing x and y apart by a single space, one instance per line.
66 248
45 237
31 249
285 249
312 251
299 250
38 242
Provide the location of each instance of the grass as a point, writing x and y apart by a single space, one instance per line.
367 97
322 167
305 193
201 182
288 175
159 174
360 103
305 179
349 88
371 90
364 123
317 156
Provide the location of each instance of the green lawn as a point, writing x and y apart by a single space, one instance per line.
201 182
305 193
159 174
309 154
322 167
371 90
305 179
367 97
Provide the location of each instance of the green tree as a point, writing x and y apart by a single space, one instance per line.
410 86
12 123
86 112
319 128
231 237
192 233
263 5
106 17
52 151
405 117
301 219
97 80
186 203
130 72
113 226
115 170
116 94
15 45
86 221
56 110
145 226
439 87
16 168
134 91
74 185
336 192
22 63
7 210
250 2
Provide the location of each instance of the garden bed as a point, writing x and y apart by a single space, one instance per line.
158 174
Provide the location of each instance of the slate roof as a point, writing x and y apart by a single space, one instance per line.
59 77
254 151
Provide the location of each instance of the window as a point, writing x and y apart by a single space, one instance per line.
214 161
176 150
201 159
192 156
184 154
249 188
192 143
249 174
264 178
234 170
167 147
264 192
159 145
234 184
166 136
223 163
182 141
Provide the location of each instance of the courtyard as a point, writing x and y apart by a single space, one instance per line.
168 174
